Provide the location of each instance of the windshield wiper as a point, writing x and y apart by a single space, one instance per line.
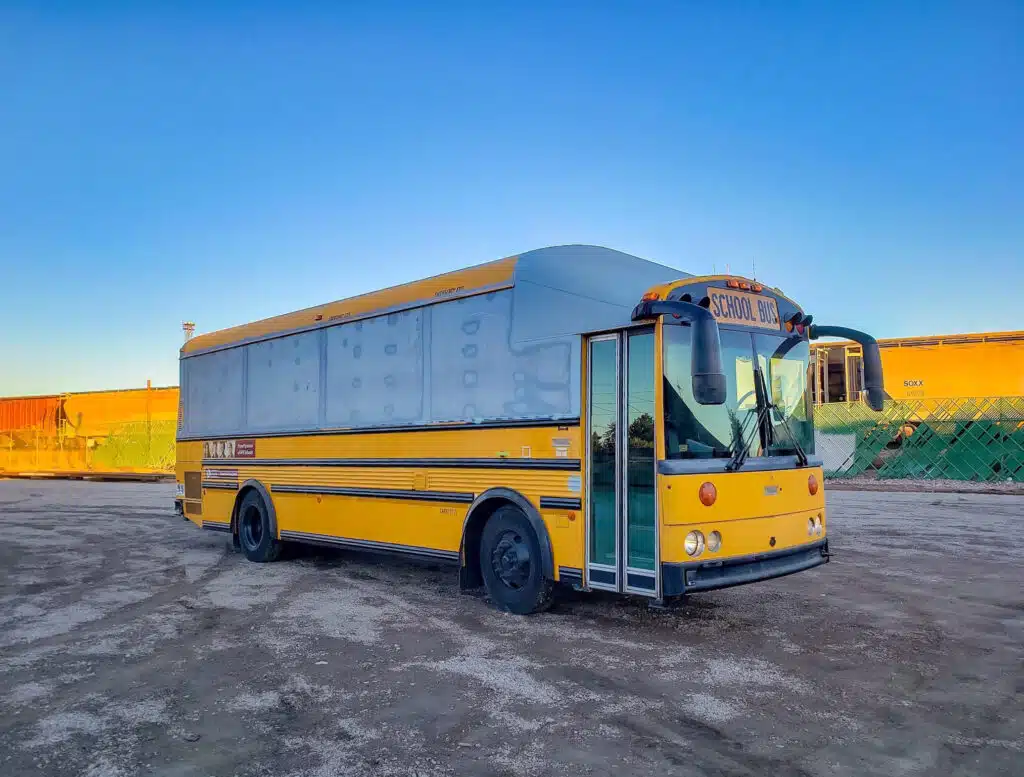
801 454
769 427
740 440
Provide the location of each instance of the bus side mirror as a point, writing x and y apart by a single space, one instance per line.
874 385
709 386
708 383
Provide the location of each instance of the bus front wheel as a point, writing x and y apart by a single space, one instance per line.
254 531
510 563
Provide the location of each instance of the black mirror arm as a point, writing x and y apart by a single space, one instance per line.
874 384
708 378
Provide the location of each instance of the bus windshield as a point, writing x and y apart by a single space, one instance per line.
784 364
693 430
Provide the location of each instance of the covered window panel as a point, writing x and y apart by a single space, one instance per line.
375 371
283 389
214 385
477 373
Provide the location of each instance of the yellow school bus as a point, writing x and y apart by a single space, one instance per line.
571 415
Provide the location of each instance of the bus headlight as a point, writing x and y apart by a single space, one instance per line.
694 543
714 541
810 527
818 528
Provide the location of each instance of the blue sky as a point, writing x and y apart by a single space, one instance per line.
227 162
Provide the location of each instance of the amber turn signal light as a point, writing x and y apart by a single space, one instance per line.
812 485
708 494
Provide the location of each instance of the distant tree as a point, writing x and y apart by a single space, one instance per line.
641 431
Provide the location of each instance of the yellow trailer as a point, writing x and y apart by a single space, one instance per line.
985 364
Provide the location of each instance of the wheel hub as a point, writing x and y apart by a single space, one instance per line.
510 559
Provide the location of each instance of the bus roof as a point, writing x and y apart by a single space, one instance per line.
559 267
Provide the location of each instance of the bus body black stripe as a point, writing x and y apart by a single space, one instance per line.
377 493
560 503
529 423
557 464
214 526
344 542
570 575
220 484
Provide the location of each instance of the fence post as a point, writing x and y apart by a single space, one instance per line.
149 424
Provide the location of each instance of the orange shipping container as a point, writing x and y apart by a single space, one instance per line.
42 413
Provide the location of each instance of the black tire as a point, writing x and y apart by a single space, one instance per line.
510 563
255 536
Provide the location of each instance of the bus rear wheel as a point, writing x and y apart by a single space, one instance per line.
510 563
255 534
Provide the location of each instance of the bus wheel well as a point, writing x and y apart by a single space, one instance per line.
479 512
246 488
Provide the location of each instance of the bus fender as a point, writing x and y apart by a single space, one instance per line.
469 577
263 492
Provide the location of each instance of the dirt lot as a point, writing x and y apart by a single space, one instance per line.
134 643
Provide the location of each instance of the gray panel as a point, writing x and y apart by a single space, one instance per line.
578 288
214 385
477 374
375 371
283 383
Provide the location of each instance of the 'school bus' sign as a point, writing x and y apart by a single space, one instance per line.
739 307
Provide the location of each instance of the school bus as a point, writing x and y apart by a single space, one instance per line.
571 415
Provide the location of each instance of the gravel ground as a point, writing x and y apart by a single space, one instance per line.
133 643
934 486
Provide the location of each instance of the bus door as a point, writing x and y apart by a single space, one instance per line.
622 532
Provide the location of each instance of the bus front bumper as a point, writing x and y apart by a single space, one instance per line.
696 576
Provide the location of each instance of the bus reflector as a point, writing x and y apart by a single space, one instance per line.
812 485
708 494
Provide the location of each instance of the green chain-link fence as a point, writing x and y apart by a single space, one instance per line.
138 446
966 438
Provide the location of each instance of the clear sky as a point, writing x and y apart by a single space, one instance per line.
224 162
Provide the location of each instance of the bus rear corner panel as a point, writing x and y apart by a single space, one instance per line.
192 502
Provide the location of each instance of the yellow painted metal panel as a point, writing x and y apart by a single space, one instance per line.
98 413
436 525
484 442
984 364
743 537
740 495
417 524
983 369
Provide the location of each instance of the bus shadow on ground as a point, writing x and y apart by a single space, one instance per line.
569 602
